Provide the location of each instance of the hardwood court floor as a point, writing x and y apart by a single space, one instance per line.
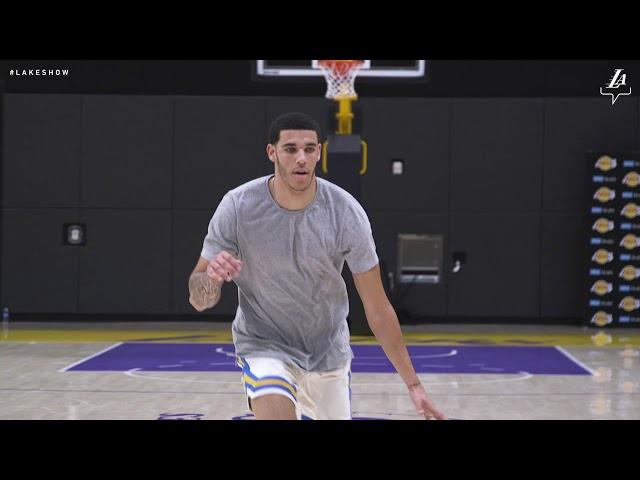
131 371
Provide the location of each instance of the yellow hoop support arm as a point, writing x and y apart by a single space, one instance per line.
325 145
345 115
363 170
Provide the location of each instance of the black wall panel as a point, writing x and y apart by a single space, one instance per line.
220 143
574 126
501 178
502 273
39 274
562 269
126 265
127 152
417 132
189 230
497 154
41 150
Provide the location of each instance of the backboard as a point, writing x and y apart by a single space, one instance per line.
409 69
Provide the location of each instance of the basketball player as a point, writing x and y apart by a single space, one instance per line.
283 239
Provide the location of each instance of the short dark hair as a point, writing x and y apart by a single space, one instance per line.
292 121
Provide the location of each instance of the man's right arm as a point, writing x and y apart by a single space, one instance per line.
204 291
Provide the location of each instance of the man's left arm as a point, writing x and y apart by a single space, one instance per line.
384 324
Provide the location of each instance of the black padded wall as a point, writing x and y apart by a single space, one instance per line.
42 150
501 276
418 133
477 162
40 184
39 274
125 267
562 265
496 155
127 151
219 144
502 179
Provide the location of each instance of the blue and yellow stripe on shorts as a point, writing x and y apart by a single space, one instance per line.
255 384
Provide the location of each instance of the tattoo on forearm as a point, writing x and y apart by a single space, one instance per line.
204 291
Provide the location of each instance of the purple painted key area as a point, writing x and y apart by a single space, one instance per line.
200 357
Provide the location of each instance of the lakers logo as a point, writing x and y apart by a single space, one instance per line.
630 210
601 318
603 225
629 304
606 163
604 194
630 242
602 256
601 339
629 273
601 287
631 179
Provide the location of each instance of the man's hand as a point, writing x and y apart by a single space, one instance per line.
224 267
204 292
423 404
205 283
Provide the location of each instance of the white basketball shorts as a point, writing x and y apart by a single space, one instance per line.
316 395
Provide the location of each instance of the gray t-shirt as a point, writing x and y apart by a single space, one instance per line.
292 299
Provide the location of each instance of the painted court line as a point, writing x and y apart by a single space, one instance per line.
574 359
91 356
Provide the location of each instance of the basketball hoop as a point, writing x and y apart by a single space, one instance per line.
340 75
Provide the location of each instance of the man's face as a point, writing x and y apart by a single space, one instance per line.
295 156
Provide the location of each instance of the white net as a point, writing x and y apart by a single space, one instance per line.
340 75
